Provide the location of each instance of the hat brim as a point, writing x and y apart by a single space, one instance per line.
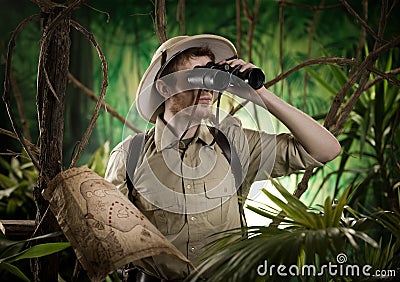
148 101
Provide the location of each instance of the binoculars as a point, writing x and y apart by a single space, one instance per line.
220 77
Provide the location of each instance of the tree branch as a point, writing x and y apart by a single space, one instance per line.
309 7
360 20
7 82
252 19
331 118
389 76
363 70
363 35
32 147
238 27
160 24
317 61
180 16
46 6
104 85
18 98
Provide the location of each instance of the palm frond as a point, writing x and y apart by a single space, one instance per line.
305 236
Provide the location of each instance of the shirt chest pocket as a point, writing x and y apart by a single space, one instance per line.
167 222
219 199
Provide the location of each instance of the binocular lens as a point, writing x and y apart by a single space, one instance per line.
255 78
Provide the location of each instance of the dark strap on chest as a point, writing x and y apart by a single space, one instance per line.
230 154
135 150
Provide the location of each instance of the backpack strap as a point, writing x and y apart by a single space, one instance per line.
135 149
230 153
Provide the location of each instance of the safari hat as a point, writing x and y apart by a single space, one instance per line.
148 101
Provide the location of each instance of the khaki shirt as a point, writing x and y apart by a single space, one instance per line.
188 191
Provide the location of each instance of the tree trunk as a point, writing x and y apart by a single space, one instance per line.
54 59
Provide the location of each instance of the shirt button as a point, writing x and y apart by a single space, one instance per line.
189 186
193 249
181 145
192 218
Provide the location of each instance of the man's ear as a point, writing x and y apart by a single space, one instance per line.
163 88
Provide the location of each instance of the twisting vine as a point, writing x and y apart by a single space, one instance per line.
42 67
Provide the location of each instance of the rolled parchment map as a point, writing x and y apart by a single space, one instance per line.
104 228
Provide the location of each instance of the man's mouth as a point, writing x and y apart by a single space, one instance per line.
205 99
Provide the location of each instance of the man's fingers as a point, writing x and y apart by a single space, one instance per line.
236 62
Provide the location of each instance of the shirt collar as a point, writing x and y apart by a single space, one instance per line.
165 138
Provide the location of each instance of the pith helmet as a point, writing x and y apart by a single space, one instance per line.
148 101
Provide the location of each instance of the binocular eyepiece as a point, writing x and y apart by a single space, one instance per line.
217 80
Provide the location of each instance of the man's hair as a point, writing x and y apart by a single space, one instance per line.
184 56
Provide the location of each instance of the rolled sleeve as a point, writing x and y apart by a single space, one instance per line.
264 155
276 155
291 156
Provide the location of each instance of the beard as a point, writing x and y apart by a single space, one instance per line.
183 104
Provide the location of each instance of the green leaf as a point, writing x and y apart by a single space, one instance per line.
5 164
12 206
321 80
45 236
338 210
294 208
6 182
261 212
27 165
14 270
15 166
43 250
328 213
9 249
98 162
298 216
339 75
7 192
379 114
285 193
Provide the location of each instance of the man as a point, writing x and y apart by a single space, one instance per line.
183 181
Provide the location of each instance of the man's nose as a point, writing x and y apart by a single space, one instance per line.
207 91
